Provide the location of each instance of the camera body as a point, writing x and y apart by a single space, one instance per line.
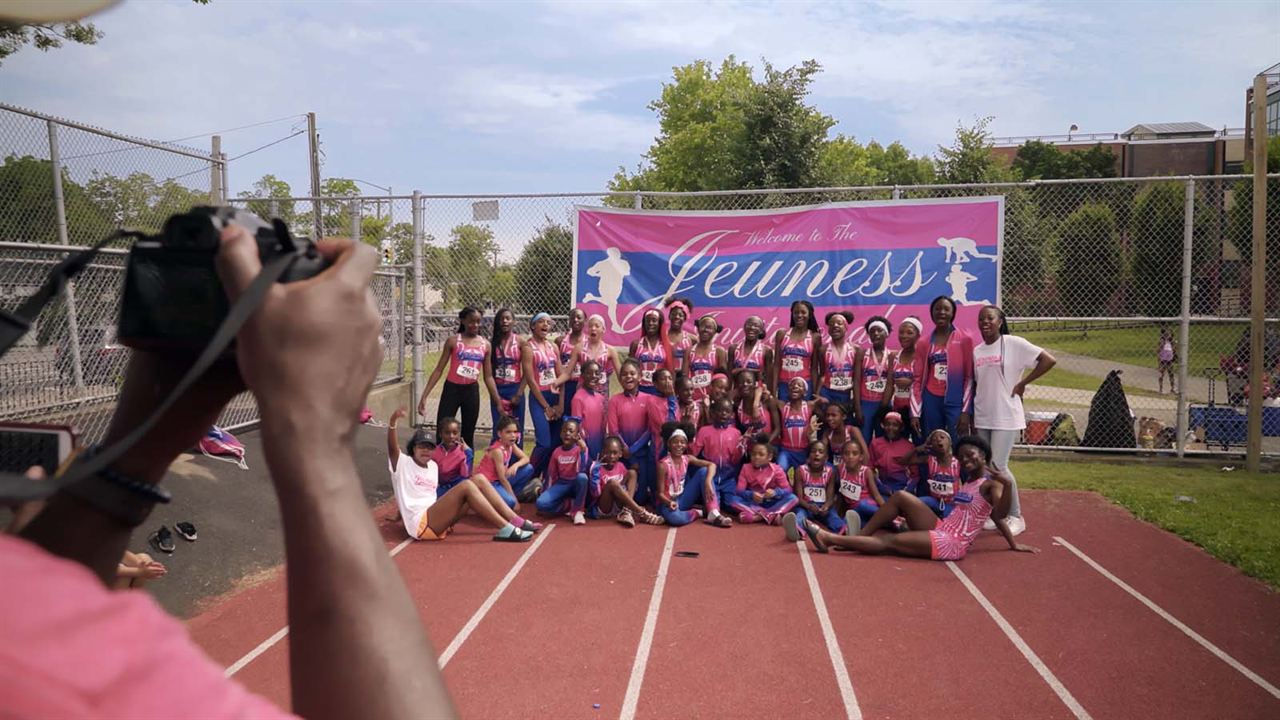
173 299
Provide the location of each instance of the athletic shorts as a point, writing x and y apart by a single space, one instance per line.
425 532
946 546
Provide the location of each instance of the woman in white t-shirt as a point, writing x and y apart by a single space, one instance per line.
415 477
999 363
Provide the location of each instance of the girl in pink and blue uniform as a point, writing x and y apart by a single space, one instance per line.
859 493
611 485
720 442
757 413
595 350
815 489
875 387
685 481
763 493
942 395
679 310
705 358
754 353
798 424
467 356
505 466
797 350
837 431
628 414
570 344
652 350
588 408
566 485
904 370
984 495
506 371
885 454
543 375
941 480
688 410
451 456
840 359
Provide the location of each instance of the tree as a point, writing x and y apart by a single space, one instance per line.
1027 264
471 254
400 241
544 272
271 188
1038 160
502 286
969 158
844 162
45 37
1089 247
335 215
1240 218
27 210
138 202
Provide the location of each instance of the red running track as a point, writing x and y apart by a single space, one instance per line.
737 632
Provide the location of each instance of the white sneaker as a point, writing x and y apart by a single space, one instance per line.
1016 525
989 524
853 521
579 518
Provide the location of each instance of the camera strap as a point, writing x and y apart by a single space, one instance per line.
19 488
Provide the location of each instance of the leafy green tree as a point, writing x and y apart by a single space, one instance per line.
1240 220
1088 244
28 212
1038 160
139 202
1028 266
400 241
271 188
471 254
969 158
844 162
45 37
544 272
502 286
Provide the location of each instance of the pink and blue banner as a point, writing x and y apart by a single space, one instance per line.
887 258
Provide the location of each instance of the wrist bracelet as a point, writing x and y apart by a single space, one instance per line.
127 500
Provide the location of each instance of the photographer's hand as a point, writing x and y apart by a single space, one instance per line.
310 354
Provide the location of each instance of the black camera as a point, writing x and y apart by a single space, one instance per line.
173 299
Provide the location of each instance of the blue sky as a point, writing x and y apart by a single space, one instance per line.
551 97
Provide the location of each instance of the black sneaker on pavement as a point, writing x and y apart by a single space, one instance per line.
186 530
162 540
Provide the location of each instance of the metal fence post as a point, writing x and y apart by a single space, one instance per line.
897 193
1184 332
638 203
222 174
355 220
60 210
415 388
398 322
215 172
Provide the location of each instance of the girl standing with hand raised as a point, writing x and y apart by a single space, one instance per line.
467 356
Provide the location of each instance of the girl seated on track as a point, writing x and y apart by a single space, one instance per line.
588 408
720 388
756 412
815 489
451 456
798 424
942 478
720 442
986 494
611 486
566 476
428 516
688 409
859 493
763 493
496 467
884 455
685 481
837 430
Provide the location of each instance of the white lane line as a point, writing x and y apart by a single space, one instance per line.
1063 694
851 709
279 635
467 629
632 697
1223 656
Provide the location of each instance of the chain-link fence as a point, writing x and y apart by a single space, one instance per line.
1107 275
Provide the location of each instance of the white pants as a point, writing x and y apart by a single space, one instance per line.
1001 442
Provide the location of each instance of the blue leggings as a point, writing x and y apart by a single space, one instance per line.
835 396
518 481
693 494
937 507
726 480
936 413
552 499
508 392
769 510
869 427
865 508
832 519
642 462
545 432
568 389
788 459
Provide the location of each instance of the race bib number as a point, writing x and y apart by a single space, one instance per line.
841 382
851 490
940 372
902 393
875 385
941 488
546 376
815 493
793 364
700 381
469 372
647 376
505 372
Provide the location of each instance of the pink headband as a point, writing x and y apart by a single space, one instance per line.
719 376
655 311
893 416
679 304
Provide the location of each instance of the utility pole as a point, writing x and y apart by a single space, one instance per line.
216 196
1257 288
314 141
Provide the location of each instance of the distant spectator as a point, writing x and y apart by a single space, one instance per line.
1166 357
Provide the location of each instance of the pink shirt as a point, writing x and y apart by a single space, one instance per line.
795 359
566 464
760 479
795 426
588 405
884 458
452 464
466 364
722 446
507 369
544 363
754 360
676 473
486 467
702 365
66 640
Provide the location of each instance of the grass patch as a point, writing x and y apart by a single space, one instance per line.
1137 346
1060 378
1233 517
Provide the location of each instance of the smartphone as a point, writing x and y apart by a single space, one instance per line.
23 445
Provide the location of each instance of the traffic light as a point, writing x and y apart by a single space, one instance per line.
386 256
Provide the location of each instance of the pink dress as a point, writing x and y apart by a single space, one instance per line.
953 535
